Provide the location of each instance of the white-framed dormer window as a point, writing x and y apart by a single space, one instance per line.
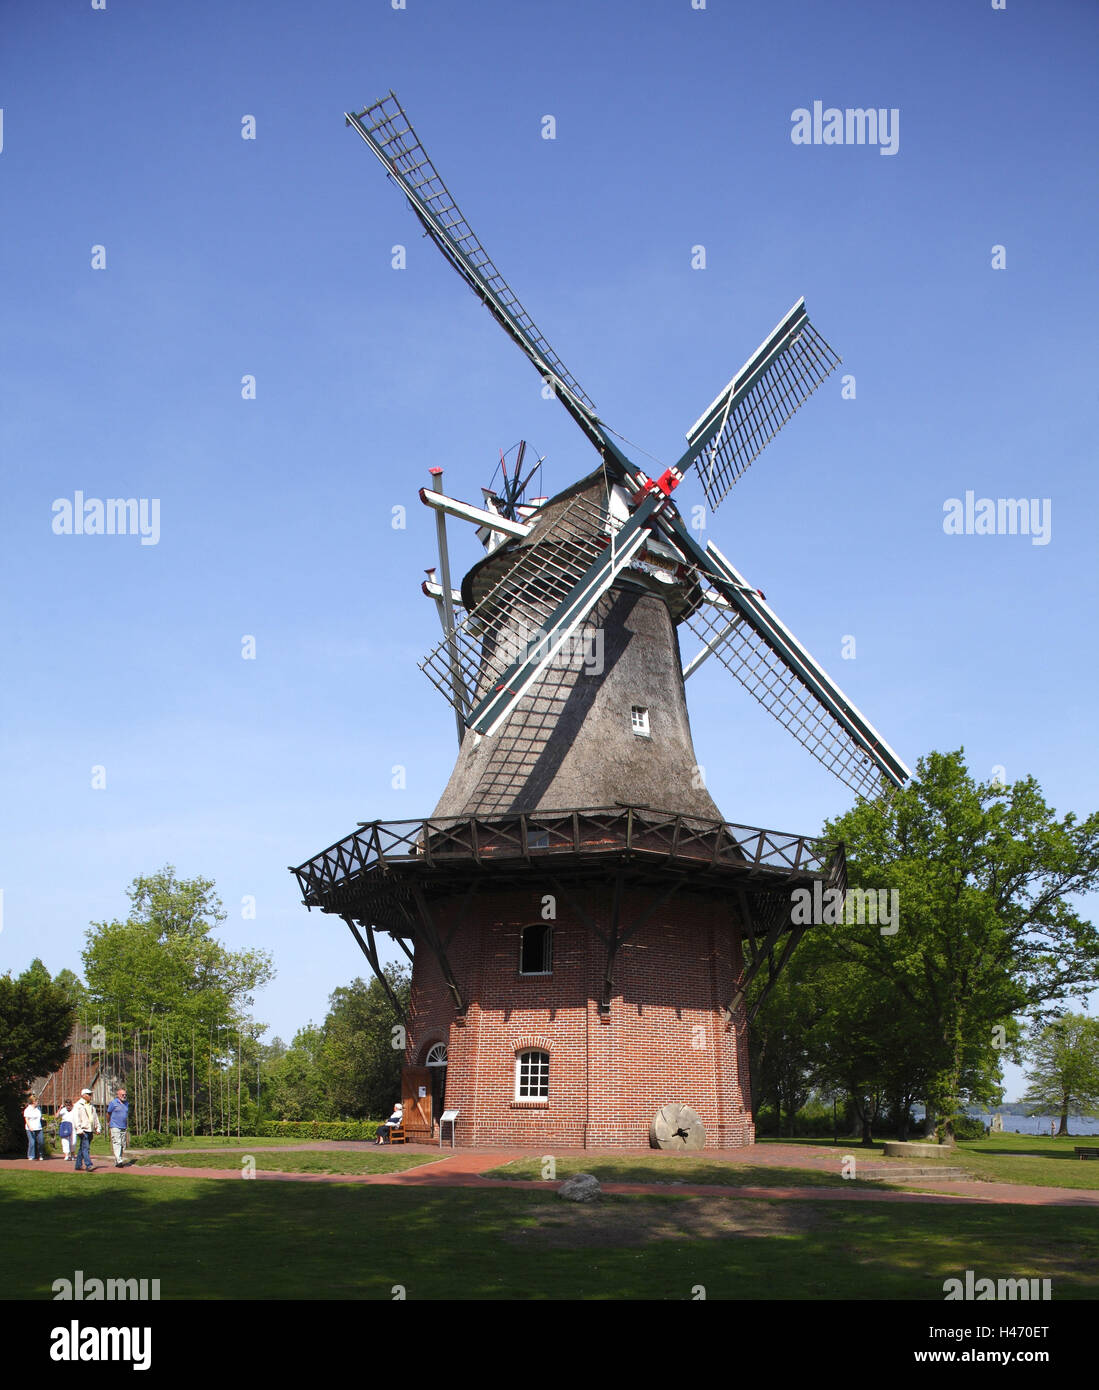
639 721
532 1076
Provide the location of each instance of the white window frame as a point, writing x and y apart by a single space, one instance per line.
639 721
541 1077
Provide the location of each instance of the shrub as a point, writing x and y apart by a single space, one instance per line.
968 1127
317 1129
153 1139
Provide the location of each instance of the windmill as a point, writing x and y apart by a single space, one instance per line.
576 781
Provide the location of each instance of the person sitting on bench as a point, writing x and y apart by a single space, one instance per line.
394 1122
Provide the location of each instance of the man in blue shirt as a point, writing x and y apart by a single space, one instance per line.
118 1115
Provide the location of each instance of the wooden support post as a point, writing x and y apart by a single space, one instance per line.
431 937
761 955
370 951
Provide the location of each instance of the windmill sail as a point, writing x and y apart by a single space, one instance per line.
389 133
558 575
754 645
779 377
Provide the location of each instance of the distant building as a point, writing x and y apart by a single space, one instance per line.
85 1067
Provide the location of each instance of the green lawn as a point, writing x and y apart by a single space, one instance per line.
294 1161
219 1141
680 1169
247 1240
1030 1159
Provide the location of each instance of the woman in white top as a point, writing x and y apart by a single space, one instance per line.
65 1130
395 1120
32 1123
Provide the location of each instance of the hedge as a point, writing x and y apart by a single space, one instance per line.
317 1129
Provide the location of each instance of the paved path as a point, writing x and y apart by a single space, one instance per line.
463 1168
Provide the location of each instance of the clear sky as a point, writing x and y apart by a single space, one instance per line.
271 258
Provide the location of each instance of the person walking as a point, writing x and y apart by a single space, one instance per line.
36 1139
85 1123
118 1117
65 1130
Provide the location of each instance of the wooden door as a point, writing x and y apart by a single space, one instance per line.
416 1099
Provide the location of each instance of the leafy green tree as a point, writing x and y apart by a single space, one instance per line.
292 1084
36 1018
348 1068
782 1043
73 986
1065 1067
171 1000
163 960
35 974
362 1055
984 875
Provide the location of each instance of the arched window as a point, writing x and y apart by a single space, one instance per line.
536 950
532 1076
436 1056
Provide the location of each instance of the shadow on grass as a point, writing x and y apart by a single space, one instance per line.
296 1161
247 1240
677 1170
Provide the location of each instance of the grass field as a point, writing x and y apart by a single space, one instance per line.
642 1168
208 1239
295 1161
219 1141
1035 1160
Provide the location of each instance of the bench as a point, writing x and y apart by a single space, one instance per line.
1082 1151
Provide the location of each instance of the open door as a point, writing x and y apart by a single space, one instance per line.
416 1099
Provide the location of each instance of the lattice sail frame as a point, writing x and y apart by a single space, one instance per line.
387 130
511 618
779 378
765 675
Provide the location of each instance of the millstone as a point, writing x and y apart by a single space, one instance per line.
676 1127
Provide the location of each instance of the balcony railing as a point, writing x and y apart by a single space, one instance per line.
639 832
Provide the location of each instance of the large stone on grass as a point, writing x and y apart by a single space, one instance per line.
581 1187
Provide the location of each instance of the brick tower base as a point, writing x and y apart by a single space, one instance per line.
661 1040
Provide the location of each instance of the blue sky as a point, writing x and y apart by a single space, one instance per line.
272 257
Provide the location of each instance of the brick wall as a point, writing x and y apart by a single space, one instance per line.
662 1041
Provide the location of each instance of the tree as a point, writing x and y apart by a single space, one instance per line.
983 874
1065 1073
293 1088
350 1067
35 974
73 986
360 1063
782 1046
171 1000
36 1018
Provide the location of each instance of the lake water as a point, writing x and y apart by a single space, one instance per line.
1039 1124
1034 1124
